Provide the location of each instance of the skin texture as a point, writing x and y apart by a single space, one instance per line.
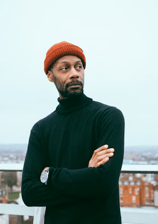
67 73
101 156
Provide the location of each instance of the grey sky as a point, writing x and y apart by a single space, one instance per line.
119 39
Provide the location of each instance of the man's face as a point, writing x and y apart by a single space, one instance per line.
67 74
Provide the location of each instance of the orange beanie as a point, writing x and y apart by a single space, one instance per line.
61 49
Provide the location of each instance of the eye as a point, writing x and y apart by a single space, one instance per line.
64 68
79 66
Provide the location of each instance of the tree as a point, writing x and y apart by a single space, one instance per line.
9 178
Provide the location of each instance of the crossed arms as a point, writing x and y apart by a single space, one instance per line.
98 180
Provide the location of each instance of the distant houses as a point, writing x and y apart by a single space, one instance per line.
138 190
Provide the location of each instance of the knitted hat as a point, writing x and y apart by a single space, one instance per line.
61 49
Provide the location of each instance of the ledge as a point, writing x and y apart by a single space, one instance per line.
125 168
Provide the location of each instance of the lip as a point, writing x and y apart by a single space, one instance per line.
74 86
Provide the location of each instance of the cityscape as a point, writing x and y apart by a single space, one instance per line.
133 155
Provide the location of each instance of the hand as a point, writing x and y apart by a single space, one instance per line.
101 156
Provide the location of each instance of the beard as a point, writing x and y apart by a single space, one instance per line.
67 91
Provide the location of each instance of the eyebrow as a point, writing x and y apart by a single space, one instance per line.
68 62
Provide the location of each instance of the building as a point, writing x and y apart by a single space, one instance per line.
156 196
135 191
130 190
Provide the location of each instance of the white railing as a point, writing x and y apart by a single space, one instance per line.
125 168
14 209
129 215
139 169
139 216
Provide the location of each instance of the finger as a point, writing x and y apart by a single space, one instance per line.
101 148
103 161
106 151
104 156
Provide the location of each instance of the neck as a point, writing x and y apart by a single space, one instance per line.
72 103
69 97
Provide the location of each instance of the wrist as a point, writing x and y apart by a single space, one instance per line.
44 175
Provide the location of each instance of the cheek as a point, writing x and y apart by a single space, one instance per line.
82 76
59 83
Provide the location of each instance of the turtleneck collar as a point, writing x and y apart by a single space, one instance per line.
72 104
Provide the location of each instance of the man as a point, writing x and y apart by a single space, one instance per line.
70 166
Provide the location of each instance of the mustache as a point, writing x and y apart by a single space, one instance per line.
74 83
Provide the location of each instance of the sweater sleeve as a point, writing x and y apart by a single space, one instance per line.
103 180
35 193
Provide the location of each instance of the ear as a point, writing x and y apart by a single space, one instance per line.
50 76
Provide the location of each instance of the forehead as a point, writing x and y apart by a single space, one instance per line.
68 58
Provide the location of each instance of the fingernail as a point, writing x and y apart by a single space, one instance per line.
106 146
112 150
111 154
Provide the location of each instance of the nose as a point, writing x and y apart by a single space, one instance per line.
73 73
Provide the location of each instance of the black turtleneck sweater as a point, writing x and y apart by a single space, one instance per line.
65 141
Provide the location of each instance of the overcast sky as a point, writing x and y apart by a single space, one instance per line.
120 41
